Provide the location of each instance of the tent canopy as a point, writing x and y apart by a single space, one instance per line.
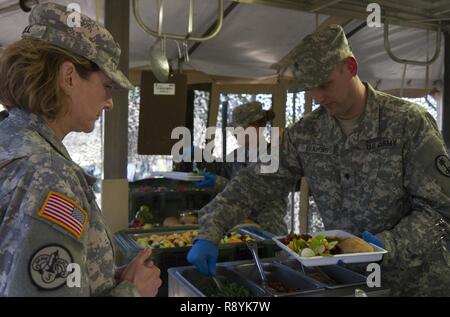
257 36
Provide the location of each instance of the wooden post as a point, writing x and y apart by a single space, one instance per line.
446 96
304 206
115 146
304 187
117 17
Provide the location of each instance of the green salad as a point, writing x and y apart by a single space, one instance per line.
308 246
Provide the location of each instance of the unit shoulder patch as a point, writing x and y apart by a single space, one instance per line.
64 212
48 267
443 165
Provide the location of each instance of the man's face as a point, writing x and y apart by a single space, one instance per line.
334 94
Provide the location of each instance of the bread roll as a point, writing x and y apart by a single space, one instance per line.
248 221
171 221
354 245
188 220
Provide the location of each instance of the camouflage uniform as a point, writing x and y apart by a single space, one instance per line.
271 217
49 22
391 176
247 114
38 240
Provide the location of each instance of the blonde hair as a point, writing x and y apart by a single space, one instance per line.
29 76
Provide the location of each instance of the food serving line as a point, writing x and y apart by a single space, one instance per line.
286 272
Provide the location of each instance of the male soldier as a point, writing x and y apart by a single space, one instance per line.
374 162
249 115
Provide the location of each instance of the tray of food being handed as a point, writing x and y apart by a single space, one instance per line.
329 248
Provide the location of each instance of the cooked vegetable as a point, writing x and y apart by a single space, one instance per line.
281 288
307 252
228 289
183 239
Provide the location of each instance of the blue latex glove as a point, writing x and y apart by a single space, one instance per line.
208 181
367 236
203 255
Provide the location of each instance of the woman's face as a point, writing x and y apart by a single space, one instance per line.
87 100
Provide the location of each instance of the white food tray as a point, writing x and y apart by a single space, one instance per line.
362 257
179 176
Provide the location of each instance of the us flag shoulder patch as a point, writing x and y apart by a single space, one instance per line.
64 212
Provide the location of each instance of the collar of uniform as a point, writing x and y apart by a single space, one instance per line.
91 180
367 128
369 125
24 118
330 129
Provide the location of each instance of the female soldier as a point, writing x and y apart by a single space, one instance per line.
53 240
248 115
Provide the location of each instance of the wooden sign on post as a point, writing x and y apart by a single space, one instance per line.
163 108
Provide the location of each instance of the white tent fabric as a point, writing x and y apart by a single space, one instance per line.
406 43
254 37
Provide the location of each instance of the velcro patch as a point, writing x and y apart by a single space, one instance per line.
48 267
37 31
64 212
443 165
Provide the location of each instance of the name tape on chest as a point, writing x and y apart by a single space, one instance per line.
65 213
315 148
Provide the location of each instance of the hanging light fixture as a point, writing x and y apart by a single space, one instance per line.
27 5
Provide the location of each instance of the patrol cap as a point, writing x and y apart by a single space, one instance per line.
317 55
248 113
50 22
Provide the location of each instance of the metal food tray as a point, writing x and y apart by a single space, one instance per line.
332 276
178 230
125 239
167 232
188 282
362 257
165 258
285 276
175 256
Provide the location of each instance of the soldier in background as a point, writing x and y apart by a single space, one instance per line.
377 166
270 217
58 80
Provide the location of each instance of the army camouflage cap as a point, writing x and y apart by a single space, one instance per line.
248 113
317 55
50 22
